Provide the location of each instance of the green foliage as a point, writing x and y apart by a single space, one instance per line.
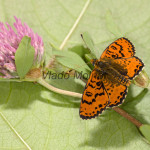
145 130
24 57
71 60
45 120
89 43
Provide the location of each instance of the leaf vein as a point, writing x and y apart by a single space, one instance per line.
13 129
75 24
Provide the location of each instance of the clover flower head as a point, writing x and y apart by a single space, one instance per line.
9 42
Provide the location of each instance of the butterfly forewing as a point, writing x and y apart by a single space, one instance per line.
121 48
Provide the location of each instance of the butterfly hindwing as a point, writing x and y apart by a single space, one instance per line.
116 93
121 48
94 99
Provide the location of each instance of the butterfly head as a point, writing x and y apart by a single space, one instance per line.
97 63
93 62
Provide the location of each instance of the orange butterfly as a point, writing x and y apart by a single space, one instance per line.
108 82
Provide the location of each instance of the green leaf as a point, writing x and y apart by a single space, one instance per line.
80 50
88 58
89 43
24 57
75 61
32 117
145 130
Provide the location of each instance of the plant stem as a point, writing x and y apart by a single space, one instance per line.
56 90
17 80
127 116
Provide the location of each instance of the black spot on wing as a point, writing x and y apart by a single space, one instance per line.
89 94
85 101
115 56
94 113
98 83
91 85
93 116
120 51
113 47
123 95
99 94
100 105
93 100
137 70
132 46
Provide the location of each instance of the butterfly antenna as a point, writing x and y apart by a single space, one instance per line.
93 55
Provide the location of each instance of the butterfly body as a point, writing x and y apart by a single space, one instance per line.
106 69
108 82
